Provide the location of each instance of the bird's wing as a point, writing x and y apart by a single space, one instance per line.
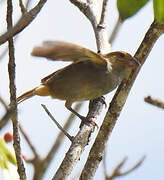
64 51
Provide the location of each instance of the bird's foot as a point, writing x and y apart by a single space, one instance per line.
103 101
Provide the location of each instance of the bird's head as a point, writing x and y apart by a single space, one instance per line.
121 62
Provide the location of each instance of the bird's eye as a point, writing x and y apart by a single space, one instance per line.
122 55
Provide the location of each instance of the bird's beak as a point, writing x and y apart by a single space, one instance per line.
136 61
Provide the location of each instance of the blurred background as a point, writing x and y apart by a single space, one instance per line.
139 129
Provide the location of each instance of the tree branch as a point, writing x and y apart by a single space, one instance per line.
79 142
154 102
90 10
57 124
43 164
24 21
3 103
11 69
117 103
4 52
22 7
9 113
117 171
103 14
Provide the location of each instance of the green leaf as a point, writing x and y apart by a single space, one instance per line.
5 155
3 160
159 10
128 8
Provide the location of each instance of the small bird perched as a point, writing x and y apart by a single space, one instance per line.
90 76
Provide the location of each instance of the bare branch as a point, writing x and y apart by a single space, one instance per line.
57 124
80 4
3 103
42 165
90 10
117 171
133 167
10 112
79 142
22 7
103 13
16 38
154 102
11 69
117 103
24 21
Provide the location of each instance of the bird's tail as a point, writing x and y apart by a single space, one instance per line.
40 91
26 95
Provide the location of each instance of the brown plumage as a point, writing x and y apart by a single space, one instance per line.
90 76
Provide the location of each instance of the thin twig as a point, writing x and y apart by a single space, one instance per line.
22 7
42 165
118 102
3 103
10 112
155 102
11 69
24 21
57 124
117 171
80 4
90 10
103 13
16 38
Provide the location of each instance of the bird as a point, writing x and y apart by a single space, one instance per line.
89 76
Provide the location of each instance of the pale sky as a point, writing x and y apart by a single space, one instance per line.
139 129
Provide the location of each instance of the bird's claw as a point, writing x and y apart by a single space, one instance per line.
103 101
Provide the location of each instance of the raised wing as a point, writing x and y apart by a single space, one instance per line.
64 51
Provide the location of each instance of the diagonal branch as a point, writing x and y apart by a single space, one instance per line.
57 124
117 171
42 165
24 21
3 103
79 142
9 113
155 102
4 52
22 7
118 102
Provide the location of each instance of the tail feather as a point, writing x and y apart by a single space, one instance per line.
26 95
42 90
